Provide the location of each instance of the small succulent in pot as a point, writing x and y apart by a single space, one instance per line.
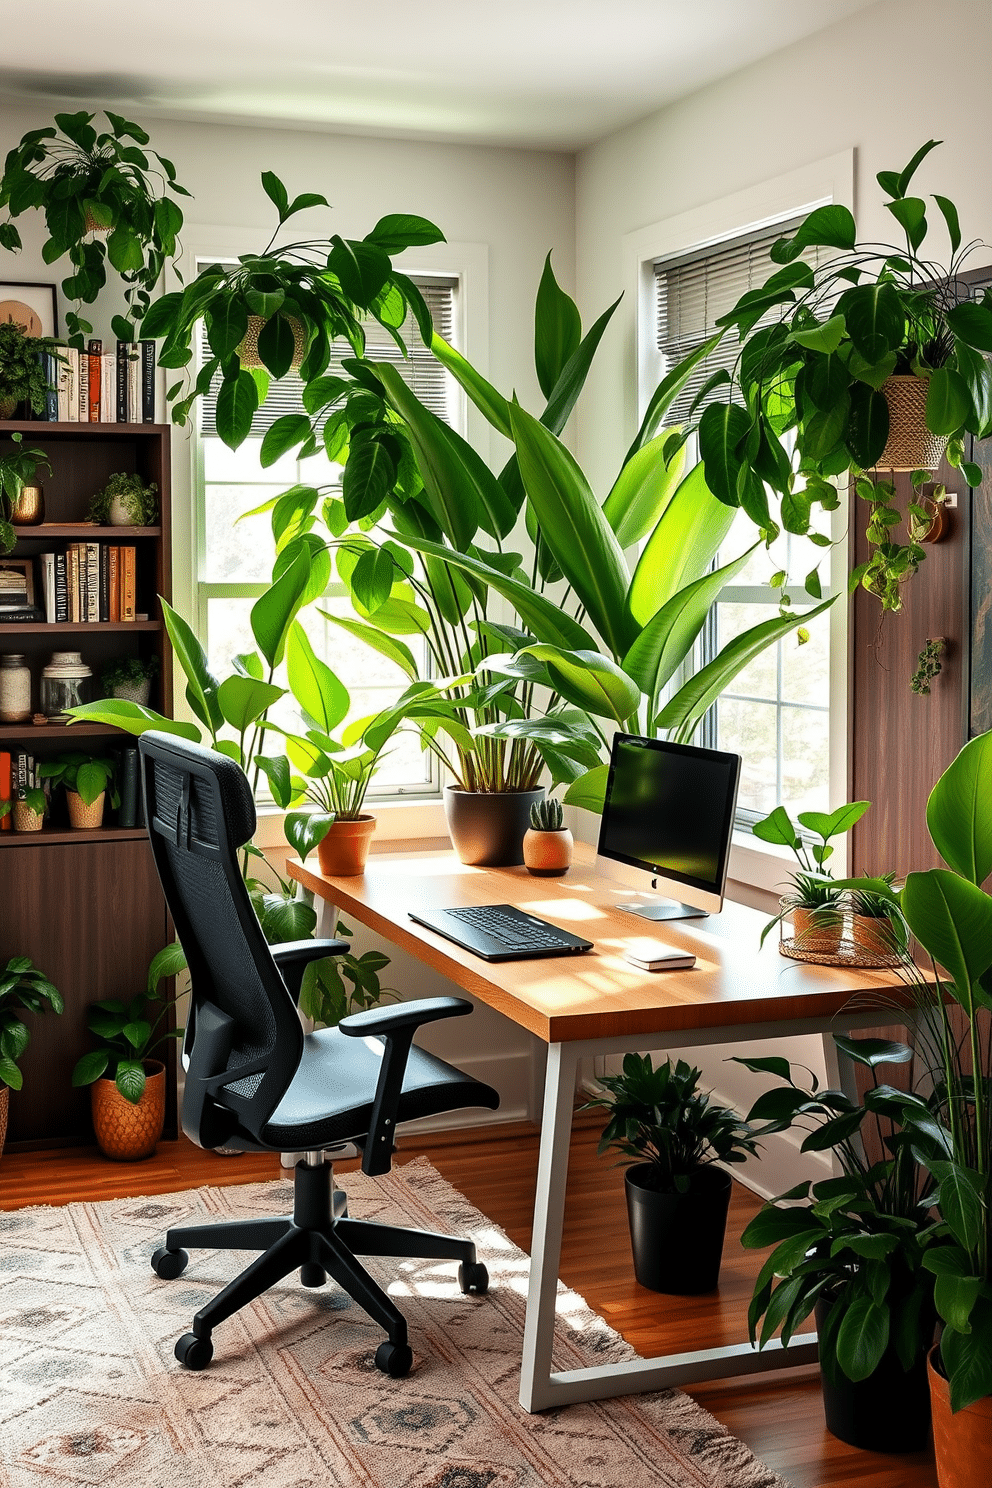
548 842
125 501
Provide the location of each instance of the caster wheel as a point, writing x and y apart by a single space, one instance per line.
169 1263
193 1352
473 1278
394 1359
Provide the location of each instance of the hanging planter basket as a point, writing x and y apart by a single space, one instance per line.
248 349
910 445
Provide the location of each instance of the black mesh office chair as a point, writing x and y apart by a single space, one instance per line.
255 1081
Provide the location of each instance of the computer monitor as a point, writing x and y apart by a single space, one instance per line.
669 810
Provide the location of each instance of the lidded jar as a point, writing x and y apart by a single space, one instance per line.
15 689
66 682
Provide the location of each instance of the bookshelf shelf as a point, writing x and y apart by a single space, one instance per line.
81 531
75 627
25 734
50 837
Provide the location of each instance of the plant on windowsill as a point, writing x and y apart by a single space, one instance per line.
128 1083
90 183
815 900
670 1136
23 989
22 377
877 362
125 501
86 778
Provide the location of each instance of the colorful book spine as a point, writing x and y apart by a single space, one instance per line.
104 582
95 359
134 383
48 587
122 380
128 583
5 787
83 411
61 589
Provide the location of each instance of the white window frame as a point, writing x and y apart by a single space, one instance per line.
780 199
400 818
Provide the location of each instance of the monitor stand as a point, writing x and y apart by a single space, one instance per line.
665 909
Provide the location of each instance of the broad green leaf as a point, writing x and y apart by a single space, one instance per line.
589 791
305 830
952 920
483 394
237 404
201 690
948 401
862 1337
834 823
91 781
875 318
589 680
976 371
284 434
960 1201
955 1297
682 546
967 1358
722 430
566 390
134 718
277 773
89 1068
315 687
867 425
911 214
959 811
557 329
643 489
873 1052
369 474
668 389
827 227
399 230
130 1079
274 612
242 700
372 579
972 323
950 215
825 337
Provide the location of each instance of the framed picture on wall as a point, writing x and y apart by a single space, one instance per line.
33 306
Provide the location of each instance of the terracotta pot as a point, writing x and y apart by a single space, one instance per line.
487 827
548 854
26 820
81 816
126 1132
345 849
29 508
873 935
4 1107
962 1440
910 445
818 930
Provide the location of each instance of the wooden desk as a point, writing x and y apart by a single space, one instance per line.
595 1004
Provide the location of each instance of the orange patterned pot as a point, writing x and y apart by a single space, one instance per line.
126 1132
548 854
4 1106
962 1440
344 850
82 817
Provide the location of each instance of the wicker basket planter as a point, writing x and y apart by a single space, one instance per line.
26 820
818 931
248 348
910 445
126 1132
82 817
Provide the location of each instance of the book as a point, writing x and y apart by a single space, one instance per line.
13 589
114 567
127 812
50 366
61 589
48 586
128 583
95 360
147 382
83 412
75 594
108 388
92 582
134 383
104 582
75 362
5 787
64 389
122 377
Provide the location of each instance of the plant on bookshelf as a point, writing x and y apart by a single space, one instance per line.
130 677
22 373
18 468
87 183
85 778
125 501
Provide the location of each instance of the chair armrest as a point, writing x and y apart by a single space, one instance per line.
294 956
396 1025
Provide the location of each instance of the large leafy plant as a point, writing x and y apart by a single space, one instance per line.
23 989
89 182
806 402
128 1033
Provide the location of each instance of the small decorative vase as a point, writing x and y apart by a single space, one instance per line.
26 820
345 849
548 854
126 1132
962 1440
677 1238
29 508
487 827
818 931
119 513
83 818
4 1108
133 692
873 935
65 683
15 689
910 445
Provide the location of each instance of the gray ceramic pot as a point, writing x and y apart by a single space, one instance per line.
487 829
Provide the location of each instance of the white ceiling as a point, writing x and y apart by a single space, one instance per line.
549 73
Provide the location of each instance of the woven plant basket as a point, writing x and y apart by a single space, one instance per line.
26 820
248 349
4 1107
910 445
126 1132
83 818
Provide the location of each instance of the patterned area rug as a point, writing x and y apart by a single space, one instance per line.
90 1392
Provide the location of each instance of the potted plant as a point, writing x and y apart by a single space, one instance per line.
547 842
814 899
22 374
27 808
874 358
23 989
125 501
18 468
857 1248
872 927
88 183
130 677
128 1085
86 779
677 1200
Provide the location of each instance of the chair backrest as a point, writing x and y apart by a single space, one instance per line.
247 1038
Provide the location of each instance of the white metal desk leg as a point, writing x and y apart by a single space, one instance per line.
327 919
549 1213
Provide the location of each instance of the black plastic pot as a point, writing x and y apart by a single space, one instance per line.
677 1239
487 828
887 1412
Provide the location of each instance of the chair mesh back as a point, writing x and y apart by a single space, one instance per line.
199 811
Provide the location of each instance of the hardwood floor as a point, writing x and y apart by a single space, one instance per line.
779 1416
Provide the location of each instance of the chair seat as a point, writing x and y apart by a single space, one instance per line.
327 1099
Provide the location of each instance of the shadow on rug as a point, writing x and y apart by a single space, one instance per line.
90 1392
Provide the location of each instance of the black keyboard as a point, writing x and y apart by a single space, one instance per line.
501 932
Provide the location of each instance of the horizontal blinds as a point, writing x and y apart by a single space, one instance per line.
420 368
695 290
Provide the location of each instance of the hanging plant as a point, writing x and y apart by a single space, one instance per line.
817 395
88 185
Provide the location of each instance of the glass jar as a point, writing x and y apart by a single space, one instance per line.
65 683
15 690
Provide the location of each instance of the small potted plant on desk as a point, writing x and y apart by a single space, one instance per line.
23 989
677 1200
128 1085
815 901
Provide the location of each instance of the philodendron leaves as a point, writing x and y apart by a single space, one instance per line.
959 811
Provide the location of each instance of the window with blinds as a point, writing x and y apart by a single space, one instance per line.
693 291
419 368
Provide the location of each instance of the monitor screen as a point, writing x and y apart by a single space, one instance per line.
669 809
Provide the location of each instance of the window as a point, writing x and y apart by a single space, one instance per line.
776 712
234 558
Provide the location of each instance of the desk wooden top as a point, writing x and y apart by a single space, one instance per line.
597 994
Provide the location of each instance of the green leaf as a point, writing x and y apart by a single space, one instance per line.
450 477
668 390
862 1338
242 700
134 718
283 435
483 394
306 829
960 1200
827 227
276 192
867 425
201 690
274 612
948 401
589 791
368 477
643 489
972 323
967 1358
237 404
834 823
955 1298
952 919
684 543
722 430
950 214
557 329
589 681
876 322
400 230
566 390
959 811
387 645
873 1052
169 962
89 1068
130 1080
321 695
825 337
911 214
